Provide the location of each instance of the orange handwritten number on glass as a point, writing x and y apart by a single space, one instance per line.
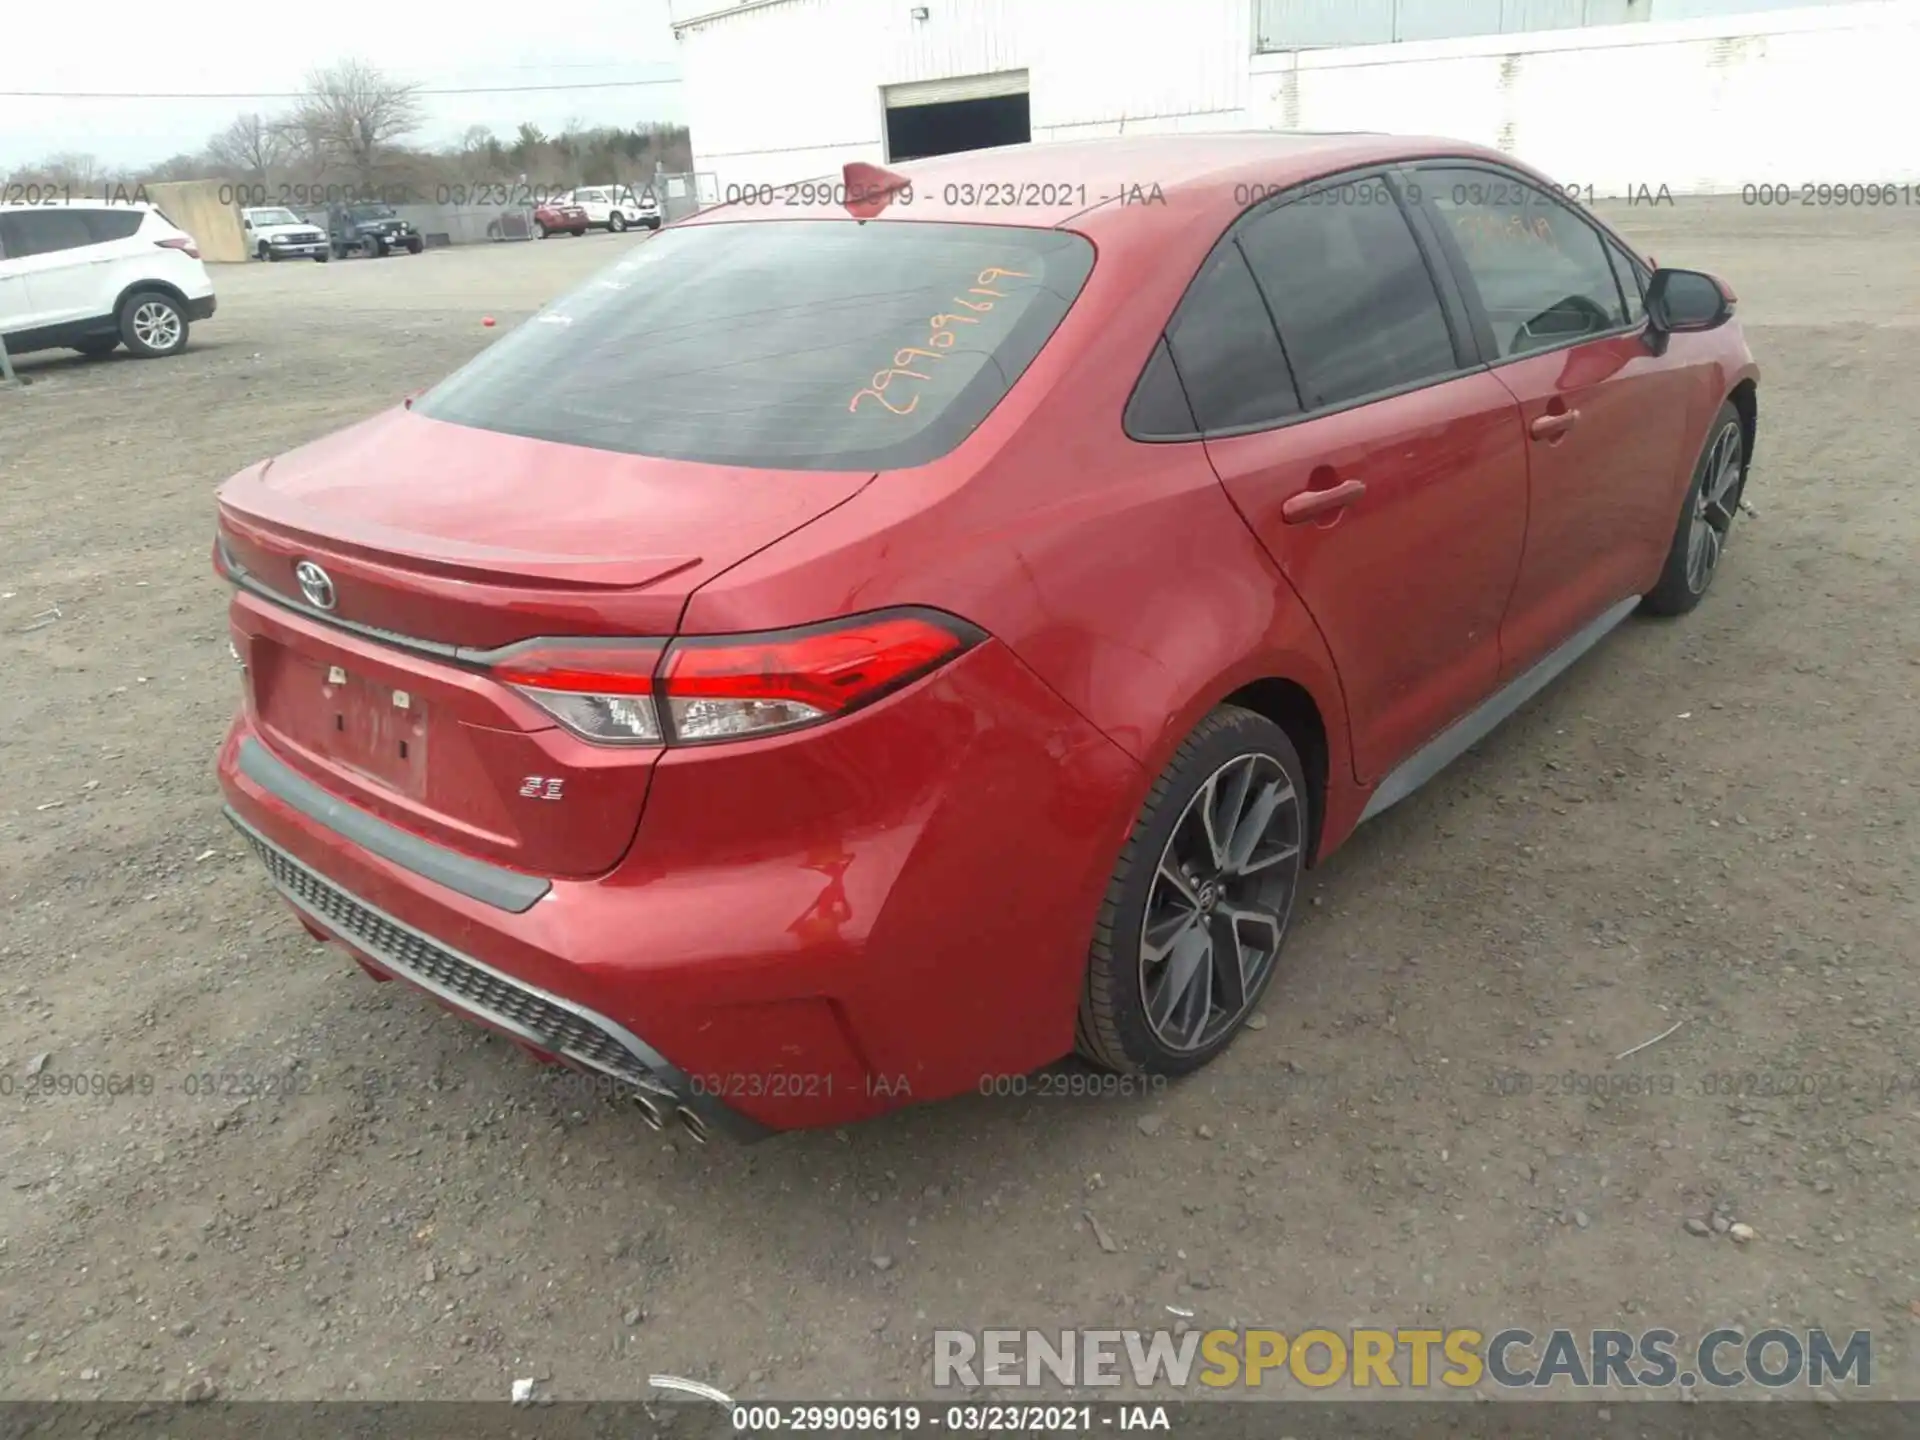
896 409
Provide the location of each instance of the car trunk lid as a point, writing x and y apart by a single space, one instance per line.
438 544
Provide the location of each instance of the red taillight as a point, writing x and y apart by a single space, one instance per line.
179 242
724 687
622 667
600 690
729 685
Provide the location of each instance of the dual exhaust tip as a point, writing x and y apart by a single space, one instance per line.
656 1110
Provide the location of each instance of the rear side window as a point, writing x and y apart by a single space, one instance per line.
1158 409
793 345
1226 351
1542 271
43 231
105 225
1352 296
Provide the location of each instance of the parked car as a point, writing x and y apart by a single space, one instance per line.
274 232
93 275
616 207
843 656
558 217
371 229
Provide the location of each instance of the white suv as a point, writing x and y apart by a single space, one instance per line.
89 275
615 207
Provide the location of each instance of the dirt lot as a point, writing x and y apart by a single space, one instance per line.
1710 822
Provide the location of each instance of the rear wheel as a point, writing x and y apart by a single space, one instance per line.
1197 911
1706 519
152 324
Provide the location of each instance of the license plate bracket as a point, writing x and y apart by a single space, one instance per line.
373 729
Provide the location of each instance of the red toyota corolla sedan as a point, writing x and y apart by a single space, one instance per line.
559 217
855 653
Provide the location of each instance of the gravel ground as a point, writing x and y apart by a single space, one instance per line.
1708 823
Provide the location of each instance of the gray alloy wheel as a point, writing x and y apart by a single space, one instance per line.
1197 912
1218 903
152 324
1716 501
1706 519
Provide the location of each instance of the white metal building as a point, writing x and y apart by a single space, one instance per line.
1695 95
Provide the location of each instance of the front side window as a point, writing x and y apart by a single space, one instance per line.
1356 306
1542 271
43 231
1633 283
791 344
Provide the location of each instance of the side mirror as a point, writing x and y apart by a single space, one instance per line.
1687 300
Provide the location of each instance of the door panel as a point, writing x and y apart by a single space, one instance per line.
1396 505
16 311
1603 419
53 250
1409 580
1601 489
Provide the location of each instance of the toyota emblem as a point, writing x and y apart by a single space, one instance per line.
315 584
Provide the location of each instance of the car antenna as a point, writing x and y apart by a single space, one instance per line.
870 189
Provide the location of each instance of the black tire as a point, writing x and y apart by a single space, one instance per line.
153 324
263 251
416 245
94 349
616 222
323 257
1712 501
540 229
1115 1029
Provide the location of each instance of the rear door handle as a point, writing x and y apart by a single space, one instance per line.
1546 427
1309 503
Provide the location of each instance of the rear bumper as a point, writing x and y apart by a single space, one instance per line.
808 930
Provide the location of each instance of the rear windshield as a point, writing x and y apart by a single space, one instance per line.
793 344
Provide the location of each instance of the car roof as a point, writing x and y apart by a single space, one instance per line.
15 207
1048 183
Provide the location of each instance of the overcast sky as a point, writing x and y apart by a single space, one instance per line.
227 46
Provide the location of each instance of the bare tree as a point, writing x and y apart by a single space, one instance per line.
354 114
82 172
251 144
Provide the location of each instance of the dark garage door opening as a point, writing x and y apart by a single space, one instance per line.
942 128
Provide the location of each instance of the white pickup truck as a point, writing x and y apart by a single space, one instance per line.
275 233
615 207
